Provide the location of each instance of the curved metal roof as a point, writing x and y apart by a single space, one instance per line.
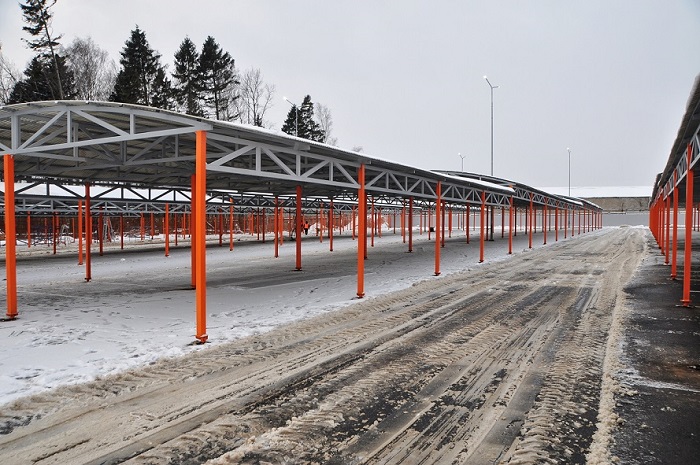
135 146
687 134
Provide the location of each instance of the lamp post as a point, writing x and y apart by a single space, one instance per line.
569 150
296 116
492 208
492 87
462 157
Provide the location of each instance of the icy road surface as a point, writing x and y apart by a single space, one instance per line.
499 364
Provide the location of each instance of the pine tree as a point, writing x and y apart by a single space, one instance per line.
312 130
306 125
218 78
140 65
291 124
40 82
187 88
163 94
38 18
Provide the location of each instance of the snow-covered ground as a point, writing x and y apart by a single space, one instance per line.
139 306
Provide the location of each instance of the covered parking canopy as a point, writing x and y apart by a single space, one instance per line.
135 147
674 189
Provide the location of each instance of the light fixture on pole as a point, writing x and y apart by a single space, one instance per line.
569 150
296 116
492 208
492 87
462 157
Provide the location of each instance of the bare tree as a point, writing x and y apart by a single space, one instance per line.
38 17
94 72
230 105
8 77
325 121
255 98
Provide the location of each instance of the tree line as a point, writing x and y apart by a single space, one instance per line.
204 81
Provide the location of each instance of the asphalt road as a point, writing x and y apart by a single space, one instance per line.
502 364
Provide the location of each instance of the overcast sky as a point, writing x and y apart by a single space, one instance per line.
404 79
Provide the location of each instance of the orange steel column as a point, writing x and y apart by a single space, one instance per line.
200 235
438 230
674 240
80 232
298 229
374 223
481 226
687 252
579 221
53 231
264 225
590 220
121 232
662 225
427 221
166 227
532 220
220 223
450 224
556 224
354 220
403 222
174 228
276 227
231 225
467 218
410 224
100 231
503 222
362 232
29 230
667 247
281 225
192 230
330 225
10 238
573 221
143 228
510 226
442 224
659 222
153 226
88 235
545 222
364 247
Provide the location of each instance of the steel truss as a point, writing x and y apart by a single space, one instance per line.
136 159
140 148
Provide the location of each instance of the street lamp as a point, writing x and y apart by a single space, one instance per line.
569 150
462 157
492 87
296 116
492 208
